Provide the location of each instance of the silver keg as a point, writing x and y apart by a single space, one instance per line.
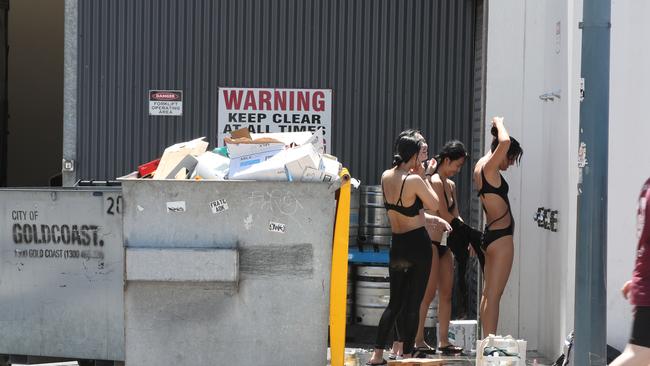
374 226
373 295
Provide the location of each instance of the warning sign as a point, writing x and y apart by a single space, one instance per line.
274 110
165 103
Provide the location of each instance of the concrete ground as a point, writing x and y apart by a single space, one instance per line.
359 341
359 356
363 355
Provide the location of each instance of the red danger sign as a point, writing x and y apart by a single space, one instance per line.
165 95
165 102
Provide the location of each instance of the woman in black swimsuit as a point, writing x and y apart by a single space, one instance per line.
405 195
450 160
497 240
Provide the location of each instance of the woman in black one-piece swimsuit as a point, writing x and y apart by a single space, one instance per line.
497 240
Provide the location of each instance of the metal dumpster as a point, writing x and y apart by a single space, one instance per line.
62 273
227 273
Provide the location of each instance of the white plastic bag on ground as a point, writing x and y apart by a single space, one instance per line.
507 343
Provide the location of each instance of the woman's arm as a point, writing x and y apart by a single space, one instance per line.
423 190
501 151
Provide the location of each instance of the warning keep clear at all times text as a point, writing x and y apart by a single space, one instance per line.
274 110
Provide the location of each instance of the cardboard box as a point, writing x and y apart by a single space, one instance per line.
245 156
288 138
174 154
462 333
302 163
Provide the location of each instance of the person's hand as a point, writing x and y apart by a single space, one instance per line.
419 170
472 253
438 224
497 121
431 167
626 289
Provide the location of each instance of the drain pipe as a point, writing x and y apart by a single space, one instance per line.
591 241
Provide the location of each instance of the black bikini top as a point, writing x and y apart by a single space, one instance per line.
410 211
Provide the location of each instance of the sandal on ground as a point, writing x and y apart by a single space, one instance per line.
419 354
394 356
450 350
425 349
376 364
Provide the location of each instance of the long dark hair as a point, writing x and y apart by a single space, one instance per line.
515 152
453 150
407 144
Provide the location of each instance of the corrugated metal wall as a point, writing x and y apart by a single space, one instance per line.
391 64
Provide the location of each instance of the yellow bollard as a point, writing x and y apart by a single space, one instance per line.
339 276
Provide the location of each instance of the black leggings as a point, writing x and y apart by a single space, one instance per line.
409 268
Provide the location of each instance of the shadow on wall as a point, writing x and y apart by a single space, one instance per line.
35 91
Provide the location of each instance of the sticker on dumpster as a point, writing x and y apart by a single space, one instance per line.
165 102
277 227
219 206
177 206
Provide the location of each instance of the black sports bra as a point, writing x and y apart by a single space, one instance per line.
410 211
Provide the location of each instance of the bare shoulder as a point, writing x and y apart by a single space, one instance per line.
435 179
479 165
414 178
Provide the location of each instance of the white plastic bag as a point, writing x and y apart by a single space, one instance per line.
507 343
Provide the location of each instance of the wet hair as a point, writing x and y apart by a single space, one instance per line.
515 152
453 150
407 144
409 132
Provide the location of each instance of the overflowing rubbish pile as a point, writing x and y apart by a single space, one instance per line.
290 156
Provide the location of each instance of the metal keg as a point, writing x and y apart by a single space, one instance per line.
373 295
374 226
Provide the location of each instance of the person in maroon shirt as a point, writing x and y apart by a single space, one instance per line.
637 290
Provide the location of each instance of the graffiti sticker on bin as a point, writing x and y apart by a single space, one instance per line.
176 206
218 206
277 227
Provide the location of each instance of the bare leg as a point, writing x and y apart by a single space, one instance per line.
633 355
377 356
498 263
430 293
445 284
397 349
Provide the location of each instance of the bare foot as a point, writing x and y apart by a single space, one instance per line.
377 358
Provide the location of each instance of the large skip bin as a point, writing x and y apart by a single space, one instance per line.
227 273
